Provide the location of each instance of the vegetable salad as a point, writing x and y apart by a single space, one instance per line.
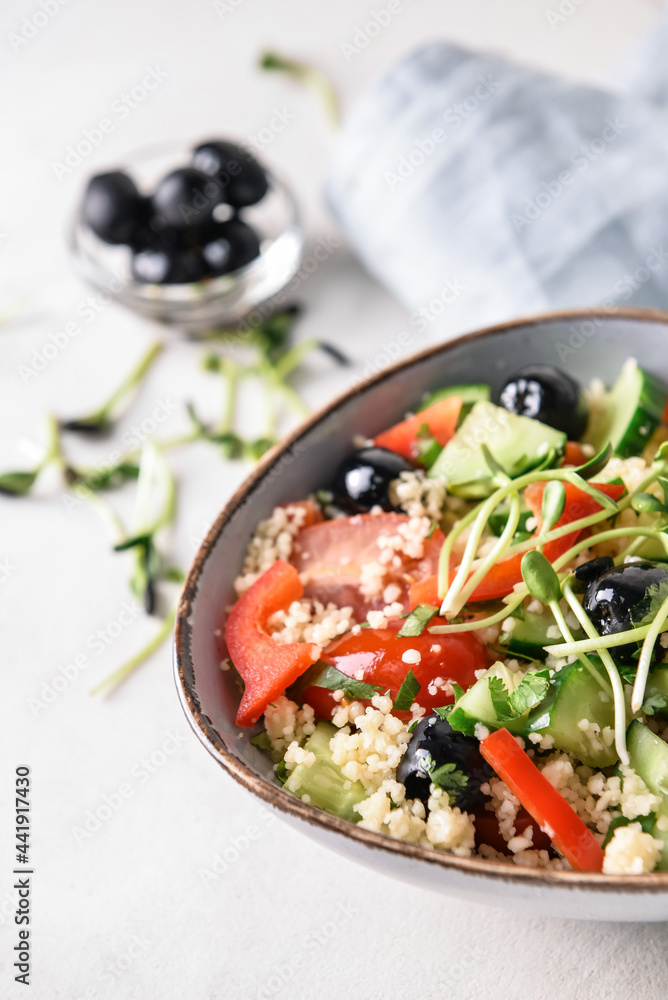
461 639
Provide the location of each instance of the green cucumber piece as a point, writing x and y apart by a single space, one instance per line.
475 705
323 781
657 684
470 394
648 754
575 695
631 412
529 636
519 444
649 758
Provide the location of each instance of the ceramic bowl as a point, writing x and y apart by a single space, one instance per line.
586 343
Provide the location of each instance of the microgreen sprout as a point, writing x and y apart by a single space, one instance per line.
610 666
102 420
312 77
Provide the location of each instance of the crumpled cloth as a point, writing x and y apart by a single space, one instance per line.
477 190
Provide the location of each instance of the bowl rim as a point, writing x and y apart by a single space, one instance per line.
276 796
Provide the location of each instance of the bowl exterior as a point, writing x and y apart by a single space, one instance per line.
588 344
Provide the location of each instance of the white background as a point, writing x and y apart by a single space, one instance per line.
126 912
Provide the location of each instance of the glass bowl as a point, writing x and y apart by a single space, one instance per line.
212 302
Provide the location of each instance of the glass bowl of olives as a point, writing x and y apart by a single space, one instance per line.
196 241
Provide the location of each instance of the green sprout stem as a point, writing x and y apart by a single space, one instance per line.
107 413
610 666
594 645
111 682
646 657
458 602
312 77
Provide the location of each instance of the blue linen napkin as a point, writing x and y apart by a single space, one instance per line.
477 190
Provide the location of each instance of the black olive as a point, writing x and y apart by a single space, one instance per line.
159 263
113 207
229 245
591 570
241 177
611 597
186 198
363 480
434 743
549 395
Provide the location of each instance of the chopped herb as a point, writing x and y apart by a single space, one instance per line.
500 699
531 691
407 693
458 690
262 742
646 610
282 771
646 823
449 777
432 528
334 680
418 620
444 712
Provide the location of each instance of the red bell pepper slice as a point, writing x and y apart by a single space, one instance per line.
550 810
267 667
441 419
574 455
503 576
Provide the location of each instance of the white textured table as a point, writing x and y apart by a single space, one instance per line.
139 907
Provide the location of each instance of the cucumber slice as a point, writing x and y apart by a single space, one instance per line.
470 394
575 695
530 636
649 758
323 781
519 444
657 684
475 705
632 411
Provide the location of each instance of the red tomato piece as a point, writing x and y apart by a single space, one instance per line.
550 809
330 556
573 454
487 831
503 576
266 667
441 419
312 514
375 656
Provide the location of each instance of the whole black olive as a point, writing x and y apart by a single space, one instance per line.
433 744
363 480
549 395
610 599
113 207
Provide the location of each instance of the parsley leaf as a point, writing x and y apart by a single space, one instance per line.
500 699
529 692
646 823
334 680
407 692
448 777
262 742
646 610
417 620
443 712
282 771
